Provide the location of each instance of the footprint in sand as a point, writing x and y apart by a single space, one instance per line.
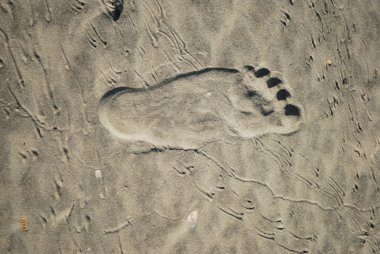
193 108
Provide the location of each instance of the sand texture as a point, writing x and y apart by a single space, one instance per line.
189 126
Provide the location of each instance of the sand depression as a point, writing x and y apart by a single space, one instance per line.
190 109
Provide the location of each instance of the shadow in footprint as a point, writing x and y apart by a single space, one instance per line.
282 95
291 110
272 82
261 72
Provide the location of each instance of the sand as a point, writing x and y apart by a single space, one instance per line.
214 126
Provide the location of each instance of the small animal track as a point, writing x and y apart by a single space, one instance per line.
193 108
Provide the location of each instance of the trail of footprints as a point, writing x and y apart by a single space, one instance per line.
193 108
